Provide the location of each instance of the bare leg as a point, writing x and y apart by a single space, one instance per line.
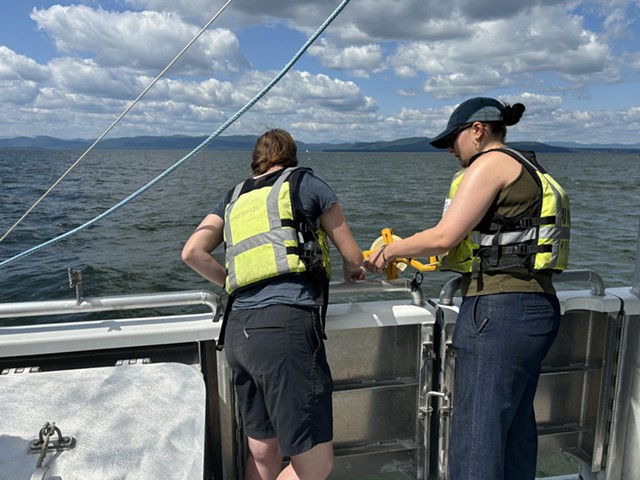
264 461
314 464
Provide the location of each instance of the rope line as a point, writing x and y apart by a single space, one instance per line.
46 433
197 149
117 120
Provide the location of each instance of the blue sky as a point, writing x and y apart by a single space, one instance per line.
385 69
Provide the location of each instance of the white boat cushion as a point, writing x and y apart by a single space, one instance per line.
134 422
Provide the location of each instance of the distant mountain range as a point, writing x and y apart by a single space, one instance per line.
246 142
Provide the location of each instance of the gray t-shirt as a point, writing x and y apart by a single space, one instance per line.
316 197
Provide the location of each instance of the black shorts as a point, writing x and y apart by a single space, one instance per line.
281 375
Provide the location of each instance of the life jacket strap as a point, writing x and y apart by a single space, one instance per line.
519 249
225 319
527 222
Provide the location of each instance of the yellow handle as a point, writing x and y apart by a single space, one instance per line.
392 268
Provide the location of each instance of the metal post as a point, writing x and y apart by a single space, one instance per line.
635 288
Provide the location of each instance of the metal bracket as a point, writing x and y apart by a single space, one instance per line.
62 443
75 280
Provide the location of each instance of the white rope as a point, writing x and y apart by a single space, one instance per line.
117 120
196 150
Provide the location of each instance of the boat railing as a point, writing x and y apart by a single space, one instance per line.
399 285
187 298
113 303
205 297
569 276
635 287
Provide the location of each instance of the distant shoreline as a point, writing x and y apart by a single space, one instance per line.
246 142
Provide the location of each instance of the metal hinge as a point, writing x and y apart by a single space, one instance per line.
612 388
133 361
19 370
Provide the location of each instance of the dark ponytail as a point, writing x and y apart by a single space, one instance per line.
513 114
510 116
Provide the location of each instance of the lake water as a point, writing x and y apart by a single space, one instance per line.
137 249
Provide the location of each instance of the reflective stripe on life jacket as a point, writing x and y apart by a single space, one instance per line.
267 236
537 239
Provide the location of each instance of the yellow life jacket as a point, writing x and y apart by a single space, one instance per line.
266 235
537 239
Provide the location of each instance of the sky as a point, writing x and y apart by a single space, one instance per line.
383 70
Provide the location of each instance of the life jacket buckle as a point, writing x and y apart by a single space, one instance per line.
521 249
304 228
528 222
310 250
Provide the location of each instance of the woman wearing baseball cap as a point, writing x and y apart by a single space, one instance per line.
505 229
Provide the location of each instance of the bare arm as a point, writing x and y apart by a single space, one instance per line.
197 251
481 183
335 224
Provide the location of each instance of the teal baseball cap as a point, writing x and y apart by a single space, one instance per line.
478 109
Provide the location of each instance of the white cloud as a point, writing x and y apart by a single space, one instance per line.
357 57
540 41
617 23
145 41
180 105
87 77
19 67
326 92
18 92
384 69
633 60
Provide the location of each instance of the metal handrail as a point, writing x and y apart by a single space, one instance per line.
403 285
450 288
589 276
635 287
111 303
175 299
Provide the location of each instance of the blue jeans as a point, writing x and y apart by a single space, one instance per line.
500 342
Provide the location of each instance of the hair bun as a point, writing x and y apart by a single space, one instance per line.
513 113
